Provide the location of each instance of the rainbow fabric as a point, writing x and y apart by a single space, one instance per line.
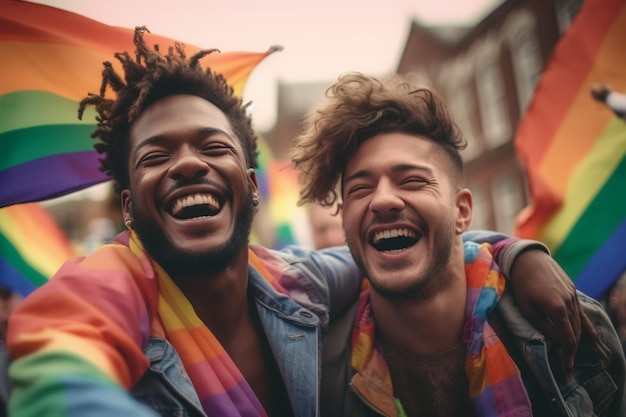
52 59
222 389
32 245
495 384
574 151
85 349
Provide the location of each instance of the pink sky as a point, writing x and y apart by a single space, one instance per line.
321 38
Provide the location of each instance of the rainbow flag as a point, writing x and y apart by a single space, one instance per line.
51 60
32 245
574 151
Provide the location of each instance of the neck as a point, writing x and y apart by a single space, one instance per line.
428 325
220 299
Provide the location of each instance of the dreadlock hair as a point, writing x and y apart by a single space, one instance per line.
359 107
149 77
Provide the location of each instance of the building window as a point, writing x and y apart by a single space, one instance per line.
461 104
508 197
566 10
527 65
492 101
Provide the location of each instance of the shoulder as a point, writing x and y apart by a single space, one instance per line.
297 260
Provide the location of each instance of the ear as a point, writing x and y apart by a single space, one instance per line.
252 181
463 202
126 203
339 208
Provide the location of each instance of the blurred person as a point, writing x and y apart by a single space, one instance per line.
436 333
614 100
8 301
101 230
326 227
181 315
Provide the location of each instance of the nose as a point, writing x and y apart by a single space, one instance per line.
188 165
385 199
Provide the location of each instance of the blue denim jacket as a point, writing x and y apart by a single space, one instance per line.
599 375
294 330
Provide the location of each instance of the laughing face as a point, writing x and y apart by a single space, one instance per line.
402 210
190 194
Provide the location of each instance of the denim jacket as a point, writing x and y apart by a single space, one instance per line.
599 375
596 389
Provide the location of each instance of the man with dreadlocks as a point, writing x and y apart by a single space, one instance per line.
181 315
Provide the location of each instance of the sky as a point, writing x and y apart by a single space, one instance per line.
321 38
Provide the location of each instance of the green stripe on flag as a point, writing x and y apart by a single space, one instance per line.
603 215
25 145
12 256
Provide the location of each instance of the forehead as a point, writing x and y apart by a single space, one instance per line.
389 150
178 114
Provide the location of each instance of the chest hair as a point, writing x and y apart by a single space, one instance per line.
430 385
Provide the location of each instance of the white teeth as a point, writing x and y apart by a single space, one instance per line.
387 234
193 200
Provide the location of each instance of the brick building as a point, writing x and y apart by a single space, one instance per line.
487 74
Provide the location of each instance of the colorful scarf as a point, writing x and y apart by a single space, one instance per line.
221 387
495 384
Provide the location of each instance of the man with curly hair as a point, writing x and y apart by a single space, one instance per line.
435 334
181 315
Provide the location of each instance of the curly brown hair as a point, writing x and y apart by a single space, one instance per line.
149 77
357 108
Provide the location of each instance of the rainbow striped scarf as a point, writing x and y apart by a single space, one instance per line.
221 387
495 384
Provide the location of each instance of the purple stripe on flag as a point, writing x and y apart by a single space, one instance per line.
50 177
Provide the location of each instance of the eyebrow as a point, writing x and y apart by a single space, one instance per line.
396 169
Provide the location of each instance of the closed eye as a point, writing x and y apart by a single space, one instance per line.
217 149
358 189
154 158
415 181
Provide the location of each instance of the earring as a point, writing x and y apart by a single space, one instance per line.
129 224
255 202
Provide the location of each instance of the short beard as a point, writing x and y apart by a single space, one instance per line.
180 263
425 285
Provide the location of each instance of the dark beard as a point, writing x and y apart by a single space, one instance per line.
178 262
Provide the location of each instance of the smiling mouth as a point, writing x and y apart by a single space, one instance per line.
394 240
194 206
